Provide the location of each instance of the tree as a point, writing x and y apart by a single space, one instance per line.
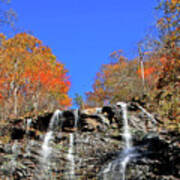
30 76
163 62
78 101
168 22
116 81
156 72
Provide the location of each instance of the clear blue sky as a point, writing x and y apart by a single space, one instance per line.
82 33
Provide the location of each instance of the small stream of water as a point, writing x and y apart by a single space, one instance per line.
70 155
147 113
127 138
117 168
46 149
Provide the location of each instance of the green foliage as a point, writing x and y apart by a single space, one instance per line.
78 101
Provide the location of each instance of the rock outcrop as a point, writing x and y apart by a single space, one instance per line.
97 141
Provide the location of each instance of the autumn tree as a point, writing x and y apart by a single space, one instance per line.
116 81
155 72
163 62
168 86
31 78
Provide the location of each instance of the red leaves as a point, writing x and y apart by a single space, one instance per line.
114 81
29 65
147 72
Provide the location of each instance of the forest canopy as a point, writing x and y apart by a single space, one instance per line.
30 77
154 74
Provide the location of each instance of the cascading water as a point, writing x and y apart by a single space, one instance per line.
76 118
127 137
45 148
147 113
117 168
126 133
28 125
101 116
71 156
55 119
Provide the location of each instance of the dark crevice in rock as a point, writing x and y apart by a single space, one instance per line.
97 141
17 133
42 122
69 119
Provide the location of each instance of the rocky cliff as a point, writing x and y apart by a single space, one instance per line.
86 143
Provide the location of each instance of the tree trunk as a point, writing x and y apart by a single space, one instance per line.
15 101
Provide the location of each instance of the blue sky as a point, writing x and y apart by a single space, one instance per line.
82 33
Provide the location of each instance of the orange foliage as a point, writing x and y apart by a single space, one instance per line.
147 72
28 69
115 81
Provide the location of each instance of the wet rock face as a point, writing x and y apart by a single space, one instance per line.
97 141
93 119
160 159
69 119
42 122
17 133
152 158
109 112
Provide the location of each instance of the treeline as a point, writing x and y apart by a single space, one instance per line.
154 74
31 78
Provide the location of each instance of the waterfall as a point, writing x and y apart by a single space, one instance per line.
28 125
71 156
46 149
76 118
147 113
55 119
126 133
117 168
127 138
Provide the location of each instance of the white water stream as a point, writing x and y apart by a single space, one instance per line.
127 138
126 133
147 113
70 156
76 118
46 149
120 163
125 156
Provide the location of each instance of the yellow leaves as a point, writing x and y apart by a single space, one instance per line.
175 1
65 101
115 81
2 38
26 63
